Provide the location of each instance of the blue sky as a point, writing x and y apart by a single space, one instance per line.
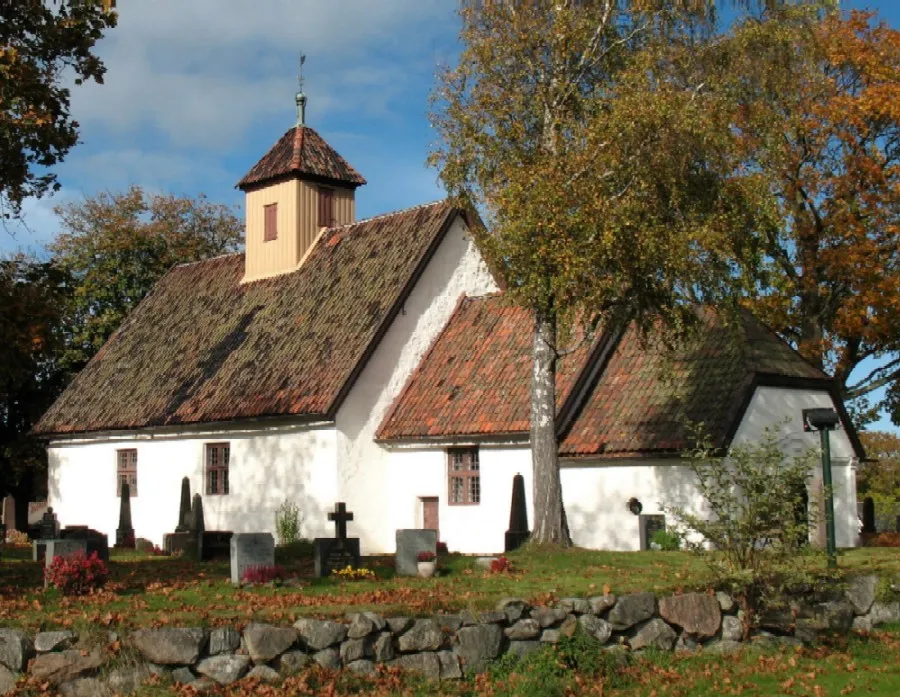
196 92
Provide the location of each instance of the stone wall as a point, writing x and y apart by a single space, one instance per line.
442 647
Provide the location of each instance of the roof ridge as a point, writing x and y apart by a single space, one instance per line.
203 261
400 211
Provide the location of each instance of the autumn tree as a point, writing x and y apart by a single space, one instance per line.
115 246
879 476
594 177
817 112
33 298
40 41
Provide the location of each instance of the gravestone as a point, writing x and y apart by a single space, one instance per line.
63 548
48 527
250 549
649 524
125 532
340 551
409 544
184 509
94 540
198 527
9 514
518 532
215 545
868 515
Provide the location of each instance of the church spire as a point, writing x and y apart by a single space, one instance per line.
301 97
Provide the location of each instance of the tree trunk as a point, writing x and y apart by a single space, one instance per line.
549 515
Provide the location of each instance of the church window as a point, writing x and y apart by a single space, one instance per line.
271 222
126 471
217 460
326 207
464 476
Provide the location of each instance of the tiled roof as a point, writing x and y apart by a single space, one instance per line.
475 381
202 347
476 377
646 396
301 151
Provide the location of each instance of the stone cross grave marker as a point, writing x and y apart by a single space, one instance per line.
409 544
340 551
250 549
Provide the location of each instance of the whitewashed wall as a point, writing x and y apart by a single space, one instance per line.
267 466
471 529
456 269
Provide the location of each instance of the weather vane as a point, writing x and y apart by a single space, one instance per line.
301 98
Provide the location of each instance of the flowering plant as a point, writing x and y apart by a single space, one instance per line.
348 573
425 556
501 565
17 538
263 574
77 574
442 548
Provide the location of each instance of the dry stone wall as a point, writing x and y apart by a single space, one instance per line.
443 647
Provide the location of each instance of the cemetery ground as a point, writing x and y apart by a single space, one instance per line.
154 591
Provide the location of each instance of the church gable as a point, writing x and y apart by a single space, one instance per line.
203 347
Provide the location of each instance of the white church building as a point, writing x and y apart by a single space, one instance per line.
376 362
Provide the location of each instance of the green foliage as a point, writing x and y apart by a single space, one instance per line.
756 531
666 540
39 45
116 246
287 522
879 475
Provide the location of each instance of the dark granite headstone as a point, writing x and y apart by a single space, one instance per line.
125 532
649 524
49 527
184 509
518 532
94 540
868 515
198 527
340 551
215 545
179 543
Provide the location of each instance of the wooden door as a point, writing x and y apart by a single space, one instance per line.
430 513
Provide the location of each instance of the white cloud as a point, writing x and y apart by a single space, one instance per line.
201 72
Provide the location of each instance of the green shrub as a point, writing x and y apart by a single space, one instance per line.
287 522
666 541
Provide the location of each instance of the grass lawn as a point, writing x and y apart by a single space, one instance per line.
153 591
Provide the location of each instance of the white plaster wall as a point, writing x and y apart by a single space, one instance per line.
266 467
596 494
784 407
470 529
455 269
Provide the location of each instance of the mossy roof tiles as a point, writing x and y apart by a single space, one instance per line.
301 151
203 347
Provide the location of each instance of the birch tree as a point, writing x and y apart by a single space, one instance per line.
595 176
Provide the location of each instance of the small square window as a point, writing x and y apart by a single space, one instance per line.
126 471
326 207
218 456
464 477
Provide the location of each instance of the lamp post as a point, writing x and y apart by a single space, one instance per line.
824 421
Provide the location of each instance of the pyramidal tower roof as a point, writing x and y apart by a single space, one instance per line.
302 152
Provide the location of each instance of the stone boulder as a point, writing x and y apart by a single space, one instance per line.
330 659
125 681
632 609
548 616
602 603
292 662
264 673
223 640
320 634
16 648
398 625
732 629
593 626
225 668
654 634
8 680
183 676
84 687
265 642
170 646
726 603
353 650
362 666
450 668
883 613
725 646
383 648
425 635
362 624
478 645
45 642
65 666
697 614
513 608
861 593
523 630
428 664
579 606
